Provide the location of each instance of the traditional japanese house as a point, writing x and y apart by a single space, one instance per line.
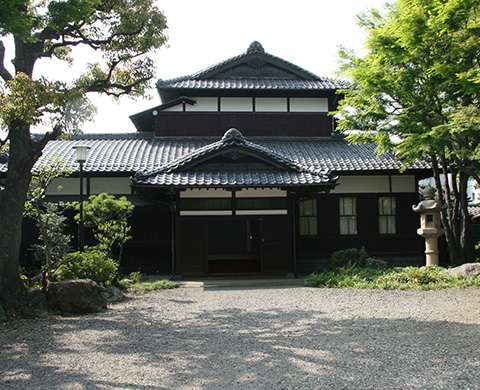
240 172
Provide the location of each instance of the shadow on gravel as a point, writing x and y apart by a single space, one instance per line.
138 348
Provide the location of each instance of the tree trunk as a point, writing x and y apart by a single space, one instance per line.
12 200
444 195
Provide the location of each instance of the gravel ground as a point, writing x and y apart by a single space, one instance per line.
253 338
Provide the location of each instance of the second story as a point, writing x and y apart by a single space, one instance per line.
255 92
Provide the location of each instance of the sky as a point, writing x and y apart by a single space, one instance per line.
201 33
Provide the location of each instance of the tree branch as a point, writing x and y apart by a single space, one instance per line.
4 73
75 32
105 87
49 136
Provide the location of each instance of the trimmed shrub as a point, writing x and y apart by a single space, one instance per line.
350 256
92 265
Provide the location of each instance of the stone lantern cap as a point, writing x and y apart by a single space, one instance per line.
429 203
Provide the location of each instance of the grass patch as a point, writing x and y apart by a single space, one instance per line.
409 278
142 283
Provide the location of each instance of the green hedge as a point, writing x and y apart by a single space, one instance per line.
92 265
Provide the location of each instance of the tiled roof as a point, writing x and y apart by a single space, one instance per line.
257 56
126 154
253 70
257 84
187 170
213 178
234 138
474 212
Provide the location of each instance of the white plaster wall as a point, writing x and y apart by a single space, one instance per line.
207 104
261 193
308 105
243 193
403 183
261 212
245 104
205 193
271 104
71 186
205 212
177 108
68 186
114 185
236 104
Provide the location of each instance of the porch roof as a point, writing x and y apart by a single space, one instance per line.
233 178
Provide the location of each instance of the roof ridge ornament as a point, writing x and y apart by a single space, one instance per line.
233 135
255 47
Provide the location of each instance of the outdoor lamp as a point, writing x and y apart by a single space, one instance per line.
82 152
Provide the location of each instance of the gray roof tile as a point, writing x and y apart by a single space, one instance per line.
128 154
229 178
253 70
256 84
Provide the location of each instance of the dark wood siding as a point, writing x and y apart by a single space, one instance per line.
250 124
193 258
403 248
191 246
150 247
277 245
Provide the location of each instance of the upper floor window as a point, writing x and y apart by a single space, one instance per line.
308 217
387 211
348 215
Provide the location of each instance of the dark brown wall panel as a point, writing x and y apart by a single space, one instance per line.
402 245
250 124
277 245
191 246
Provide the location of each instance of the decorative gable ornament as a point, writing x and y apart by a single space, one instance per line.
255 47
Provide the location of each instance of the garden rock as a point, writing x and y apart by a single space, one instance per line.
80 296
36 305
3 316
112 294
466 270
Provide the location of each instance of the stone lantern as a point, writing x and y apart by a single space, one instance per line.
430 223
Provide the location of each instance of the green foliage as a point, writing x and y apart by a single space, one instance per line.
91 264
104 207
34 101
49 217
23 276
357 278
348 269
55 241
409 278
141 283
423 278
415 92
108 216
135 277
349 256
118 34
